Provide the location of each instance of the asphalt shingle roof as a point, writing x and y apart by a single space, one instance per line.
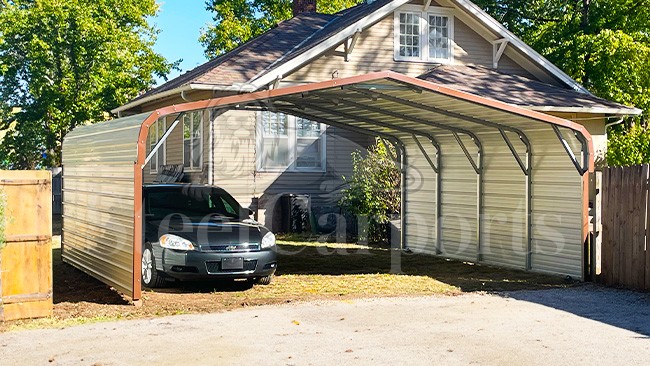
513 89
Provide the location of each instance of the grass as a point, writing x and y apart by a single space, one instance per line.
307 271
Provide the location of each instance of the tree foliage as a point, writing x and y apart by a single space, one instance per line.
604 44
373 190
629 146
237 21
68 62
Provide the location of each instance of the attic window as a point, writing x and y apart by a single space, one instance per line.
425 36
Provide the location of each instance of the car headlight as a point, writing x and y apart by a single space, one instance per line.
268 240
170 241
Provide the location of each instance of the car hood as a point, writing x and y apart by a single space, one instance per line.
209 233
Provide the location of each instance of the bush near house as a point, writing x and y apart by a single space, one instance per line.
373 190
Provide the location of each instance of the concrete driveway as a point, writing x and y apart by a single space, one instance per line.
579 326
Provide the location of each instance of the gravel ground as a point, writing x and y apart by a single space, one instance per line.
585 325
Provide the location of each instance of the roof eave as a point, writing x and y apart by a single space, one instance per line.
237 87
623 111
150 98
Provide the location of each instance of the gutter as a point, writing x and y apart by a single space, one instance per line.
624 111
237 87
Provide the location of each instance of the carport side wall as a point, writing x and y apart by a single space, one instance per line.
235 166
98 200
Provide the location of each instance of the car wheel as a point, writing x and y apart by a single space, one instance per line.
266 280
150 276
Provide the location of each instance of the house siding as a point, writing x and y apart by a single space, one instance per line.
594 123
174 152
235 167
374 51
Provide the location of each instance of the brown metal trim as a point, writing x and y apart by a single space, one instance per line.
585 223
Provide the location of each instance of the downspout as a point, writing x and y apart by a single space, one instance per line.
183 96
617 122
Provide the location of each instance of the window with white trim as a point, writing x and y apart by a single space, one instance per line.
156 132
425 36
193 140
289 143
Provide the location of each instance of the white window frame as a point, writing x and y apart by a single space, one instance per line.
155 161
293 146
424 33
192 168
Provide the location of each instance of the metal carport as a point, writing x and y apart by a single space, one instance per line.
482 180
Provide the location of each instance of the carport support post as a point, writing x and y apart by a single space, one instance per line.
396 254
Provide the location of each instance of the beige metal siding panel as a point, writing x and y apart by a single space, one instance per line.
504 204
421 213
98 200
557 208
459 201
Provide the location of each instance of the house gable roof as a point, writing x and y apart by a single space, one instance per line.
297 41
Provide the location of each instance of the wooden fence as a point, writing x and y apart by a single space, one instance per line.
26 254
626 227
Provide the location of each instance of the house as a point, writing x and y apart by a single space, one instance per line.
267 155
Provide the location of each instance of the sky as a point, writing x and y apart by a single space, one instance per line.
180 23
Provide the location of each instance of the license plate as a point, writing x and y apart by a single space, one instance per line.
232 263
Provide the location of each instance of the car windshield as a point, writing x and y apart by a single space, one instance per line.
192 202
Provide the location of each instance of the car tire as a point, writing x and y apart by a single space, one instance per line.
266 280
151 278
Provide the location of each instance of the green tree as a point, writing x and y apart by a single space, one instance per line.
68 62
237 21
629 145
373 190
604 44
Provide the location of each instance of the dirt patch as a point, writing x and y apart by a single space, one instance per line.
307 271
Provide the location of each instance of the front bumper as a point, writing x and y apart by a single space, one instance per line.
194 265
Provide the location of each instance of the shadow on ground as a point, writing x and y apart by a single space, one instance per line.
322 259
72 285
328 259
623 309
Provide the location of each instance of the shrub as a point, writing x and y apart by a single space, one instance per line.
373 190
628 146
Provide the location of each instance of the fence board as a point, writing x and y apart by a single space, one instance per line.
626 227
637 267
